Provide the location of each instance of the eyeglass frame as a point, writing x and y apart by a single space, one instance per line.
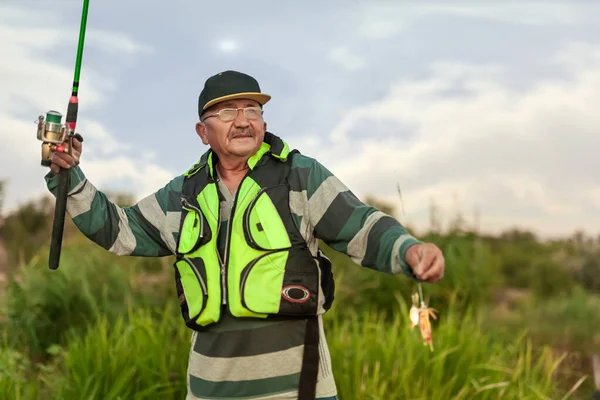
218 113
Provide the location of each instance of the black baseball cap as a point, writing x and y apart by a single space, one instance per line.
228 85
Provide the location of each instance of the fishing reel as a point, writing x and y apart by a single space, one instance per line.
55 136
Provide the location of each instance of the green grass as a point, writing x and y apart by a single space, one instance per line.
99 328
139 356
17 379
375 357
41 306
143 355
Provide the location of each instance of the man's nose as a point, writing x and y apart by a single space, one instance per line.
240 119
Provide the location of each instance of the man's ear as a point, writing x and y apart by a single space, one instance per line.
201 131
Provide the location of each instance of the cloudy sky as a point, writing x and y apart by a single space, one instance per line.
487 108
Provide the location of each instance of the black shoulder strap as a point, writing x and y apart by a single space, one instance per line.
307 389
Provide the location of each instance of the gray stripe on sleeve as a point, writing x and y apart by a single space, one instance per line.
397 267
78 187
125 243
322 198
81 202
299 206
166 224
357 247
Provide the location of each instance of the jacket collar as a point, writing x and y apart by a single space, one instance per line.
272 145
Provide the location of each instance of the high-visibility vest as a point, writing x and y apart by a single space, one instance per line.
267 270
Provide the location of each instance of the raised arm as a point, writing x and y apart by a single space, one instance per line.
148 228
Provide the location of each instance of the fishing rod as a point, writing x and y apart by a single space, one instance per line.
58 137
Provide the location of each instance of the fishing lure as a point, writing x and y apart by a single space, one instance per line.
419 315
419 312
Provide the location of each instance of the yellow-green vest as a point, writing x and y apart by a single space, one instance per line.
267 270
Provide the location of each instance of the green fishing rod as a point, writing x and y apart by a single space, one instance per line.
58 137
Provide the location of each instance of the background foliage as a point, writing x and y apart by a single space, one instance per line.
519 318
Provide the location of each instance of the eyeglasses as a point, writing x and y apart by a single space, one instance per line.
229 114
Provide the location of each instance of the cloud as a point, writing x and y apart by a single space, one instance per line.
379 29
348 59
576 57
228 45
36 76
527 155
534 13
101 140
111 42
384 20
139 179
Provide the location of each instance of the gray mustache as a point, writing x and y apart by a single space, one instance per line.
244 132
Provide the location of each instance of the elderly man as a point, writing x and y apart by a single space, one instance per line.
251 280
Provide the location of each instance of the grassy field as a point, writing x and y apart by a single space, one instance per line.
108 327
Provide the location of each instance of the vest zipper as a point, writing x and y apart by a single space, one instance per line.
247 216
228 241
223 286
186 203
228 236
218 217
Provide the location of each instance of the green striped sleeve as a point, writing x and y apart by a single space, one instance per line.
148 228
367 235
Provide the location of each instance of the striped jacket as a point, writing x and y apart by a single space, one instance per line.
234 358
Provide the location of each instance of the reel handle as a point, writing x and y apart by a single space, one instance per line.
58 224
60 209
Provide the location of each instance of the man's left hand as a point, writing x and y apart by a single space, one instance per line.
427 262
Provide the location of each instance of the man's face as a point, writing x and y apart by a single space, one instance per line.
241 137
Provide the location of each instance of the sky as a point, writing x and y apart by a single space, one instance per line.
487 109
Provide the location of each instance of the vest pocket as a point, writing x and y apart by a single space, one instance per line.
263 227
191 288
267 286
195 230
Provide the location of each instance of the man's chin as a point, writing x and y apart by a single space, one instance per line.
244 148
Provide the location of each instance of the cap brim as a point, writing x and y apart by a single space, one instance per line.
261 98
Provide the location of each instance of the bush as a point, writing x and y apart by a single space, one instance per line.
589 275
41 305
548 278
567 322
516 267
27 227
471 275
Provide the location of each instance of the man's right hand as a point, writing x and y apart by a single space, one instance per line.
65 160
